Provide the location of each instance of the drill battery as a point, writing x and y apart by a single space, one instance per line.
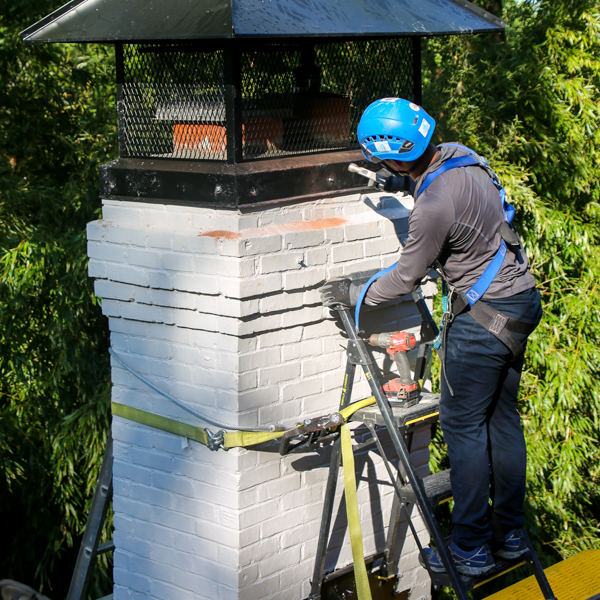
402 394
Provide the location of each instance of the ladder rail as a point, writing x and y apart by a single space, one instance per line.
334 467
93 528
319 569
398 497
537 569
396 510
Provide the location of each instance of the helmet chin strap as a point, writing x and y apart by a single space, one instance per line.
418 162
416 165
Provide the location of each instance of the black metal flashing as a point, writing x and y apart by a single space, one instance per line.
230 186
112 21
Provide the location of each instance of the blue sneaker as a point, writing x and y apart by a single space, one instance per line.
514 546
468 562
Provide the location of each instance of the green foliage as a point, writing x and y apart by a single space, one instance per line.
57 125
528 101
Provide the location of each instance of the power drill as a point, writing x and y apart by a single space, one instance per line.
403 390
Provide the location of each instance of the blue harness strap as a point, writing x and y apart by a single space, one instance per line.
452 163
483 283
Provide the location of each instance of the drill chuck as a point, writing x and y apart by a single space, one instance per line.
382 340
399 341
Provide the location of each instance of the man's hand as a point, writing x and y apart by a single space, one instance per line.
340 292
392 184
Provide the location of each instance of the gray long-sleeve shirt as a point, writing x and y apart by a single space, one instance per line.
455 221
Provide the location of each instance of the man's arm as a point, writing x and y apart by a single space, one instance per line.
429 225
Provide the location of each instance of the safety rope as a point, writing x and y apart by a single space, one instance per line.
243 439
183 405
438 340
239 438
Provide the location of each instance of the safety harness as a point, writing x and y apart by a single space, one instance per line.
491 319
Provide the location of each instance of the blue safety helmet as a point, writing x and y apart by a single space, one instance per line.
396 129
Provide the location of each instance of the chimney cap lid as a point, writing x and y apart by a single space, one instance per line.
129 21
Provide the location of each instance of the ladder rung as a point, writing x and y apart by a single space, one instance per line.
437 487
416 416
103 548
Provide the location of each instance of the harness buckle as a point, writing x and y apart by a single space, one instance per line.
216 441
447 318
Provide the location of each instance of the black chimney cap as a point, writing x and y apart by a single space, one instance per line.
112 21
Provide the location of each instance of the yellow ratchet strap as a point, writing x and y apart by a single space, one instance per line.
363 589
231 439
355 406
145 418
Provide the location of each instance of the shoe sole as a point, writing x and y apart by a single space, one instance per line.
506 555
474 571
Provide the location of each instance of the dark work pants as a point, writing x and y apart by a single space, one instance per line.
481 424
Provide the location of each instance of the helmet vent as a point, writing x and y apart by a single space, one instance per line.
382 138
407 146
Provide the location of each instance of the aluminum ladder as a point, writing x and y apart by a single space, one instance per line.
409 488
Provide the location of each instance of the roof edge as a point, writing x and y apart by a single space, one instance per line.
331 38
31 35
480 12
48 19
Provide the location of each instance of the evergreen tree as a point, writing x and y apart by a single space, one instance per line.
57 125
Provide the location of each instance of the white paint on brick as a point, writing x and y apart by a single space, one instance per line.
303 279
97 269
162 280
345 252
222 310
361 231
281 262
303 239
316 256
200 284
263 245
281 301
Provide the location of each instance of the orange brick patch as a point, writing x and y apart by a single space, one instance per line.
199 137
258 134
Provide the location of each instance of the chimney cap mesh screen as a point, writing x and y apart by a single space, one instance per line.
296 99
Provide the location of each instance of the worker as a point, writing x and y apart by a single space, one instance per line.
459 222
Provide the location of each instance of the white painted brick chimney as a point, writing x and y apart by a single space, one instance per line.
221 310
